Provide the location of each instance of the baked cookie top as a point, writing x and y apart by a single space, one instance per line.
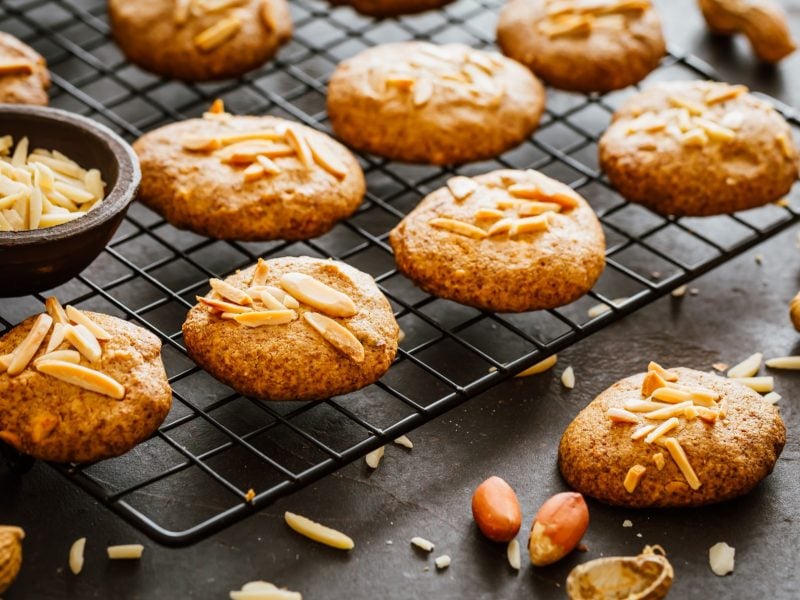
198 40
504 241
248 178
672 438
80 386
389 8
419 102
293 329
24 77
699 148
583 45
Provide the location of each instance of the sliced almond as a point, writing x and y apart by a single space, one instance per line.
325 157
76 555
696 137
260 273
80 318
785 144
671 395
299 144
568 378
540 367
263 590
662 430
642 431
679 456
281 296
404 441
664 373
254 172
265 317
461 187
249 152
643 406
229 292
547 189
217 107
658 459
83 377
502 226
268 299
336 335
219 33
71 356
732 120
55 310
633 477
513 555
709 415
674 410
222 306
772 397
758 384
620 415
269 135
270 167
30 345
373 459
80 337
535 207
489 214
11 67
530 225
693 108
125 552
748 367
400 81
422 544
318 295
722 93
459 227
422 92
567 25
317 532
56 337
716 131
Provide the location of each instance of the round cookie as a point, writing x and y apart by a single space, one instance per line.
198 180
729 455
333 334
51 419
391 8
197 41
24 78
583 45
699 148
422 103
506 241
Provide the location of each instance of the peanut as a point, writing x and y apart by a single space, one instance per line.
558 527
10 555
496 510
794 311
763 23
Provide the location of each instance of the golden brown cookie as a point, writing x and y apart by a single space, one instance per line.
248 178
507 241
94 386
583 45
699 148
293 329
391 8
198 40
24 78
719 438
419 102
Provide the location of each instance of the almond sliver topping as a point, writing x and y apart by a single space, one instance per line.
317 532
723 93
229 292
661 430
125 552
223 306
269 135
268 300
461 186
318 295
619 415
30 345
642 431
325 157
530 225
217 34
265 317
56 337
299 144
253 173
260 273
679 456
83 377
748 367
336 335
80 337
55 310
71 356
15 67
535 207
633 477
759 384
270 167
643 406
694 109
784 362
664 373
488 214
502 226
80 318
674 410
423 91
459 227
671 395
282 297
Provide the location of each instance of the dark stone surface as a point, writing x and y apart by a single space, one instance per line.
513 432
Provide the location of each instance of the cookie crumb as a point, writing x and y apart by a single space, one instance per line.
627 523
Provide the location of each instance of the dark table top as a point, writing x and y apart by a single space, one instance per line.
511 431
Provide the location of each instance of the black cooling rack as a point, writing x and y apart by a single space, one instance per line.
216 445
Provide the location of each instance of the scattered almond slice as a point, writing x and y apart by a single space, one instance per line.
540 367
759 384
720 366
373 459
404 441
772 397
263 590
317 532
513 554
679 456
76 555
318 295
83 340
422 544
784 362
326 158
55 310
336 335
80 318
229 292
568 378
222 306
633 477
265 317
217 107
461 187
269 135
219 33
459 227
721 558
125 552
620 415
83 377
442 562
679 292
30 345
696 137
662 430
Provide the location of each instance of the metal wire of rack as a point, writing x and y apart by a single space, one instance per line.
216 445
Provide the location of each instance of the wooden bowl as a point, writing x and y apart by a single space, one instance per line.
40 259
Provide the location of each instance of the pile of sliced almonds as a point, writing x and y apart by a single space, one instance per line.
581 17
265 305
73 335
527 207
433 67
668 404
258 151
225 28
43 188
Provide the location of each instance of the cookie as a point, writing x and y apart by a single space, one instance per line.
195 40
248 178
507 241
583 45
81 386
423 103
24 78
650 442
391 8
293 329
699 148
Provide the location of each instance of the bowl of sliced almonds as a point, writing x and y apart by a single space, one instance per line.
65 184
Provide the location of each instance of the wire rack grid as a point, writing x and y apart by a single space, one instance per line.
216 445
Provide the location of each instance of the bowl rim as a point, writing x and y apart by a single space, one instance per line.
116 200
